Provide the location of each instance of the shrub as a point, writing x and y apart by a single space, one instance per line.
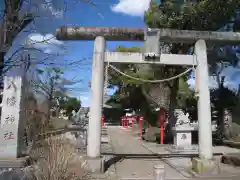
57 159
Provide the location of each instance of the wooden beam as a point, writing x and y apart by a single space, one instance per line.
138 58
137 34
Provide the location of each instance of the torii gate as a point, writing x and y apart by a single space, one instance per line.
101 34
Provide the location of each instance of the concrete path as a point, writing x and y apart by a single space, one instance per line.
138 158
124 143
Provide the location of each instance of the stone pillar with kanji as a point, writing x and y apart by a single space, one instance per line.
12 139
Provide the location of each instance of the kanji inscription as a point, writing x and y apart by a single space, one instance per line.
8 135
9 119
11 101
9 86
184 136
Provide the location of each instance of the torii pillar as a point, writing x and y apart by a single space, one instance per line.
101 34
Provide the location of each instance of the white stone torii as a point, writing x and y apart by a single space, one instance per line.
101 34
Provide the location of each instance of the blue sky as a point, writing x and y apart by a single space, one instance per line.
54 13
51 16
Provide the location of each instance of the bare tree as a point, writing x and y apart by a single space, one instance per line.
15 18
12 24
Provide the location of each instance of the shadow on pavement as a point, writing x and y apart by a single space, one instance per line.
111 161
115 158
156 155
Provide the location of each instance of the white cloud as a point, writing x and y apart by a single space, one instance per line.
131 7
47 43
84 98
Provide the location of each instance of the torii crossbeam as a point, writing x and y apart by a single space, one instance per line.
101 34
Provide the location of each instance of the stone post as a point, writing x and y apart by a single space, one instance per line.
94 127
159 173
204 106
12 119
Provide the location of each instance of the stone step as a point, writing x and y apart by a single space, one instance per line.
13 163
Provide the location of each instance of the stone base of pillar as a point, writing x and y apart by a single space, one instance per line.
205 167
96 165
13 164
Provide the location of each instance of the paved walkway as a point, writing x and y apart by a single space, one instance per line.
123 142
138 158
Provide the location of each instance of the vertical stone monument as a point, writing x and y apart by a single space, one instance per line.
12 139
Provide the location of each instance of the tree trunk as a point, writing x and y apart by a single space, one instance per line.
222 111
2 51
49 111
172 107
227 118
173 102
220 123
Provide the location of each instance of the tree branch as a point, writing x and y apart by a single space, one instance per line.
12 25
21 24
